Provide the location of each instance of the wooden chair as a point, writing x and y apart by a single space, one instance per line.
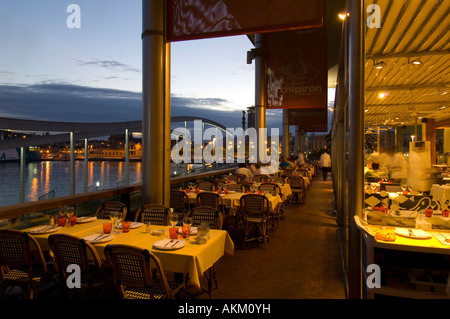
214 218
205 186
106 208
274 189
298 189
240 178
254 210
237 187
69 250
155 214
261 178
179 201
207 214
211 199
134 278
22 263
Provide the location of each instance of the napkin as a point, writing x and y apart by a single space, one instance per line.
169 244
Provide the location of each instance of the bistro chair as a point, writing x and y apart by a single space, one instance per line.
240 178
133 275
274 189
255 216
211 199
22 264
106 208
179 201
260 178
68 250
153 213
206 214
298 189
205 186
236 187
214 218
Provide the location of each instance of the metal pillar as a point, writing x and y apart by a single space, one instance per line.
72 164
22 176
260 96
127 158
285 142
356 148
86 157
155 108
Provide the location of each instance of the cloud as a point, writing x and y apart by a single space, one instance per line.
108 64
72 103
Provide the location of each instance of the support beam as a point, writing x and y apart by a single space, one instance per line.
154 108
260 80
356 149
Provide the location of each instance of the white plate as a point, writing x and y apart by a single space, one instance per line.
98 238
192 232
45 229
158 232
168 244
133 225
412 233
86 219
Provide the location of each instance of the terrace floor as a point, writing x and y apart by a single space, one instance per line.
303 260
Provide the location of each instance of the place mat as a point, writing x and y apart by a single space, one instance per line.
412 233
86 219
45 229
98 238
169 244
192 232
444 238
133 225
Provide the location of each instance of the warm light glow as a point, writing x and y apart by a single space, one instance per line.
381 95
342 15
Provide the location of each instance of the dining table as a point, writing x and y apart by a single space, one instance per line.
440 193
233 198
184 255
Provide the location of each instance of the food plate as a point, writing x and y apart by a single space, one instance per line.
45 229
169 244
192 232
412 233
86 219
133 225
158 232
98 238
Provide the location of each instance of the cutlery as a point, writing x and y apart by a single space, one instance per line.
410 233
176 242
171 241
100 237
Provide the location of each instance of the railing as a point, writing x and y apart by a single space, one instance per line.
87 203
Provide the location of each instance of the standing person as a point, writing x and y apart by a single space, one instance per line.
325 164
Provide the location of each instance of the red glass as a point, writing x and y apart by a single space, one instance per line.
73 220
173 232
197 190
61 221
185 232
187 190
126 226
107 227
226 191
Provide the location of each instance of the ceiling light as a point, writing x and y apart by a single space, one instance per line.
379 65
342 15
416 61
381 95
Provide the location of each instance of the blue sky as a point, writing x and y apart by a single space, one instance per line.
49 71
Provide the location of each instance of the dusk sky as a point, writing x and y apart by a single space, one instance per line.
50 71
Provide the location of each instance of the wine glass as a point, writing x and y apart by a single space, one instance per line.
404 187
114 216
173 219
374 188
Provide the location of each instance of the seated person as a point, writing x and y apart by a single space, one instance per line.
285 163
375 171
243 170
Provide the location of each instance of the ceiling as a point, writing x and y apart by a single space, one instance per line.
409 30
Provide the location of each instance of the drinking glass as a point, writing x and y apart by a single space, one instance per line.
173 219
187 222
113 216
404 187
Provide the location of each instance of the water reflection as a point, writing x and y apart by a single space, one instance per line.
43 177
